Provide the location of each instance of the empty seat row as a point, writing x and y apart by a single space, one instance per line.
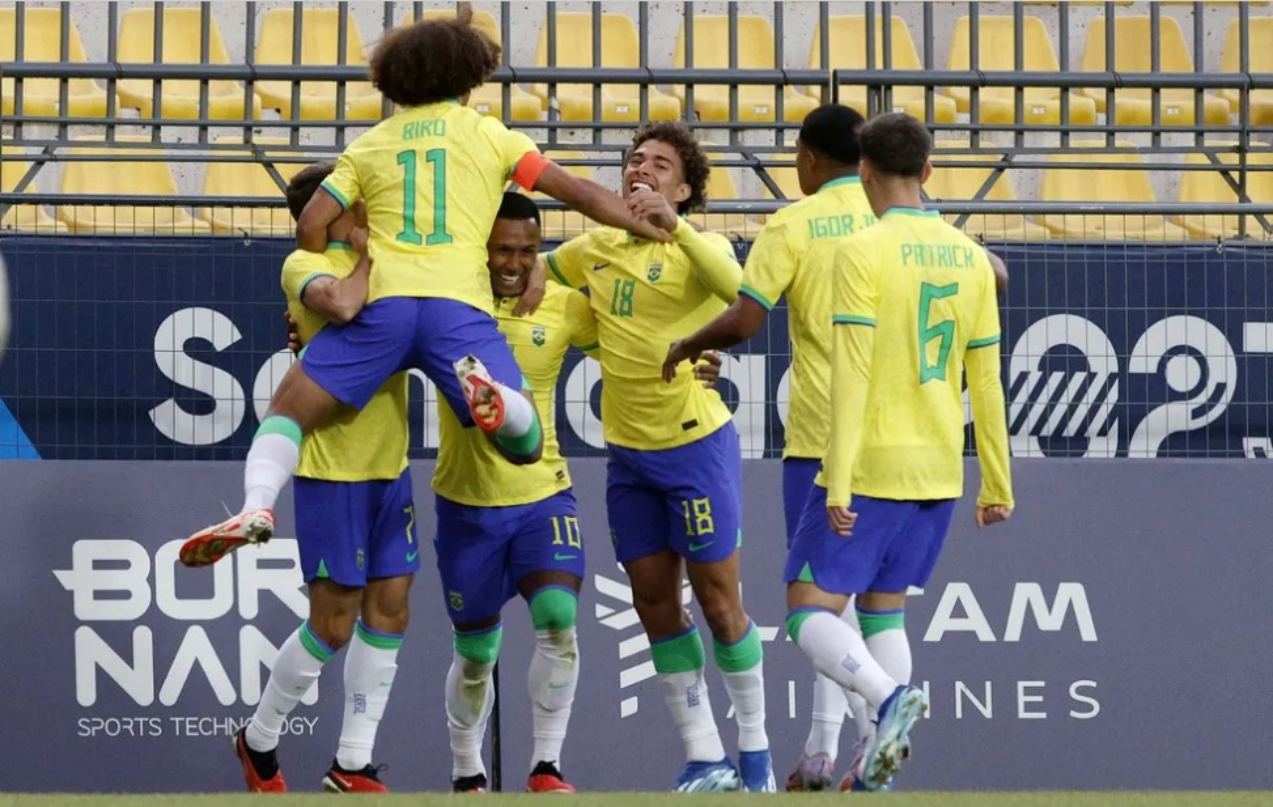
179 98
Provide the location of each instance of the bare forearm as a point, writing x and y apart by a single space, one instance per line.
339 301
738 324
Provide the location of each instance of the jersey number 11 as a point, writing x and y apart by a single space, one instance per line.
410 234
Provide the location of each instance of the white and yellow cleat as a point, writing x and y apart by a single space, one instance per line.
486 404
213 543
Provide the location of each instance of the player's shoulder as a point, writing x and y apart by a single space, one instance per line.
798 210
558 298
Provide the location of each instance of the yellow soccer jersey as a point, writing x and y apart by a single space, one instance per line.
645 295
793 255
355 446
469 470
432 178
914 302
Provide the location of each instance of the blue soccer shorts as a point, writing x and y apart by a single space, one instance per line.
687 499
484 551
894 545
798 474
352 532
393 334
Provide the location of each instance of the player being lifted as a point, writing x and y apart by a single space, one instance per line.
431 177
793 256
504 531
914 304
674 473
354 526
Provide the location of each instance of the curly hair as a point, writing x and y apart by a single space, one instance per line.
432 60
305 184
694 162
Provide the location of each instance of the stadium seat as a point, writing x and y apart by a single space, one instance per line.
787 181
1260 60
181 45
248 179
1133 107
721 187
950 184
489 98
564 224
1111 186
319 41
42 42
755 51
846 42
1208 187
996 50
24 218
120 176
620 47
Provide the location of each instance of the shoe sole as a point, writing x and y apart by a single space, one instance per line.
471 373
892 746
731 784
206 549
330 786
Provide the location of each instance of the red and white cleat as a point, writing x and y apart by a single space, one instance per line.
547 779
486 405
367 780
213 543
256 765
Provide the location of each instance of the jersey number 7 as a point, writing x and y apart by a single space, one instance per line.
410 234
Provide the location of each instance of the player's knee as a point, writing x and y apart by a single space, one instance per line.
554 608
660 614
724 614
479 646
387 614
335 628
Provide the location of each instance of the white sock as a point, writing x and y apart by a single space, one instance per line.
691 706
858 710
742 666
553 677
885 634
296 667
829 708
370 665
519 413
839 653
272 459
469 698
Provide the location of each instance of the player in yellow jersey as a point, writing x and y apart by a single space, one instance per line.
355 527
431 178
674 474
791 257
914 305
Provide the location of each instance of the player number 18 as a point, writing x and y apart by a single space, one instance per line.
698 516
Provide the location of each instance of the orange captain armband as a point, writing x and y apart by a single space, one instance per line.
529 167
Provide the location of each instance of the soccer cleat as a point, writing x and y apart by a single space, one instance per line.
469 784
708 777
891 745
756 769
260 768
367 780
486 405
213 543
813 774
547 778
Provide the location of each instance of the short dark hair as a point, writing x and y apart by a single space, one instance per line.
304 185
896 144
831 130
431 61
694 162
518 206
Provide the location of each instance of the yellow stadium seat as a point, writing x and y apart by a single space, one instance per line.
319 41
567 223
847 45
1207 187
1096 186
996 50
20 217
1260 60
1131 53
489 98
787 181
722 188
248 179
181 45
620 47
961 184
42 42
119 176
755 51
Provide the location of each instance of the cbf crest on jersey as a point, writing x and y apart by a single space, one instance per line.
538 335
656 271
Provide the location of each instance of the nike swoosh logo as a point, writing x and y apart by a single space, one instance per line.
597 267
411 556
695 547
559 556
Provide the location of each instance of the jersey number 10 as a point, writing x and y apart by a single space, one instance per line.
410 234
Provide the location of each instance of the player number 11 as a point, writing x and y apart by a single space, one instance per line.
410 234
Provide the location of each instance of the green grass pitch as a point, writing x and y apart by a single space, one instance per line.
1061 799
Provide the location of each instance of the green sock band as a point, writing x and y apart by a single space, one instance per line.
279 424
742 655
682 653
554 608
376 638
526 444
874 622
315 646
480 647
797 618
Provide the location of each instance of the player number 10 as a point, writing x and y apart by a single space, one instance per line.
410 234
566 531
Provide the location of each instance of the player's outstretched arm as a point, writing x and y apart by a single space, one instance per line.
311 227
339 300
595 202
990 422
739 323
715 265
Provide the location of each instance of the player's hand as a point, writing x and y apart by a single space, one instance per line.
653 207
707 368
993 514
677 352
358 240
536 287
293 335
842 520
